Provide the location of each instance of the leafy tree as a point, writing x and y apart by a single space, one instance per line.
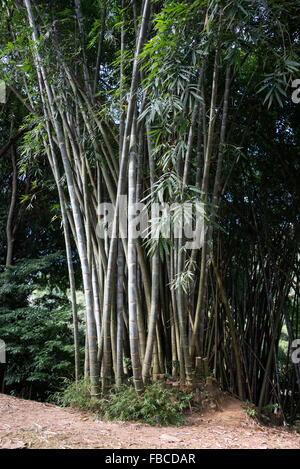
36 326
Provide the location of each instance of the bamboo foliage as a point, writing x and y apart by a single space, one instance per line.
150 118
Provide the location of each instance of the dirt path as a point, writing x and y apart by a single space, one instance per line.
36 425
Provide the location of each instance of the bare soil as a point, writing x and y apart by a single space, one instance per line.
29 424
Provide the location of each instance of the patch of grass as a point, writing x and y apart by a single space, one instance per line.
157 405
76 395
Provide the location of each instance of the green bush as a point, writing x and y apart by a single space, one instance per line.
250 409
156 406
75 394
36 325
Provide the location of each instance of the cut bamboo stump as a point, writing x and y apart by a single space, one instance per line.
201 367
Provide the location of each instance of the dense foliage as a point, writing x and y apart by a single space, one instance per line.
157 405
36 325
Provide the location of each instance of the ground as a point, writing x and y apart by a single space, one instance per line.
29 424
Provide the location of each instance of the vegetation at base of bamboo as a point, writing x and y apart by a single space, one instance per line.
157 405
270 414
75 394
250 409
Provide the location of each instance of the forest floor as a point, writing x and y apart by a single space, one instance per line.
29 424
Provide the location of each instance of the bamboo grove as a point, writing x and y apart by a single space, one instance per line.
167 101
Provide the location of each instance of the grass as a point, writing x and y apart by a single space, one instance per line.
157 405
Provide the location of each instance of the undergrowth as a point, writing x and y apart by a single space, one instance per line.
75 394
157 405
269 415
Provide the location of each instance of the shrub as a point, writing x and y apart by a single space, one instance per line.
75 394
36 325
156 406
250 409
